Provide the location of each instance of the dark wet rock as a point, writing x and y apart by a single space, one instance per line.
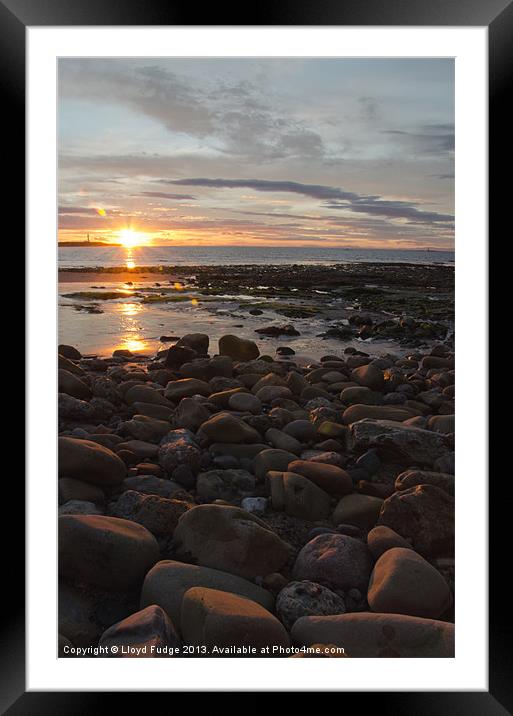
71 408
158 514
197 341
69 352
361 395
245 403
330 478
168 581
219 619
79 507
87 461
73 385
179 448
227 428
148 633
275 331
403 582
140 448
144 394
105 551
229 539
190 414
404 442
425 516
151 485
298 496
186 388
369 635
442 424
302 430
336 561
412 478
72 489
369 461
239 349
141 427
226 484
272 459
382 538
281 441
369 376
178 355
375 412
360 510
300 599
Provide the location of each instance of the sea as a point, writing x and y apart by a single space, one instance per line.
92 257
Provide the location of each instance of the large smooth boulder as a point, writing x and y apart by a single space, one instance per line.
439 423
190 414
404 442
197 341
361 395
298 496
403 582
72 385
377 412
76 612
245 403
105 551
145 394
369 376
150 430
360 510
330 478
382 538
336 561
229 539
412 478
369 635
146 634
69 352
186 388
301 599
227 428
425 516
90 462
281 441
222 620
239 349
302 430
71 489
272 459
166 583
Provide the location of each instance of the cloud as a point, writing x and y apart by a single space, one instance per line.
315 191
430 139
332 197
231 117
163 195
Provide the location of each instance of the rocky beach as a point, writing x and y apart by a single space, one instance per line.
282 486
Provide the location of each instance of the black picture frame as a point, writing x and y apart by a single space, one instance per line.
497 15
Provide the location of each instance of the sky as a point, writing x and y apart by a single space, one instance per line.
274 152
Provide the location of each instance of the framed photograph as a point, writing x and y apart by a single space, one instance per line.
256 264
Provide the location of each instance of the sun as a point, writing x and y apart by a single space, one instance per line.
130 238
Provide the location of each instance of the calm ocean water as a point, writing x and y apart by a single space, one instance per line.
237 255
